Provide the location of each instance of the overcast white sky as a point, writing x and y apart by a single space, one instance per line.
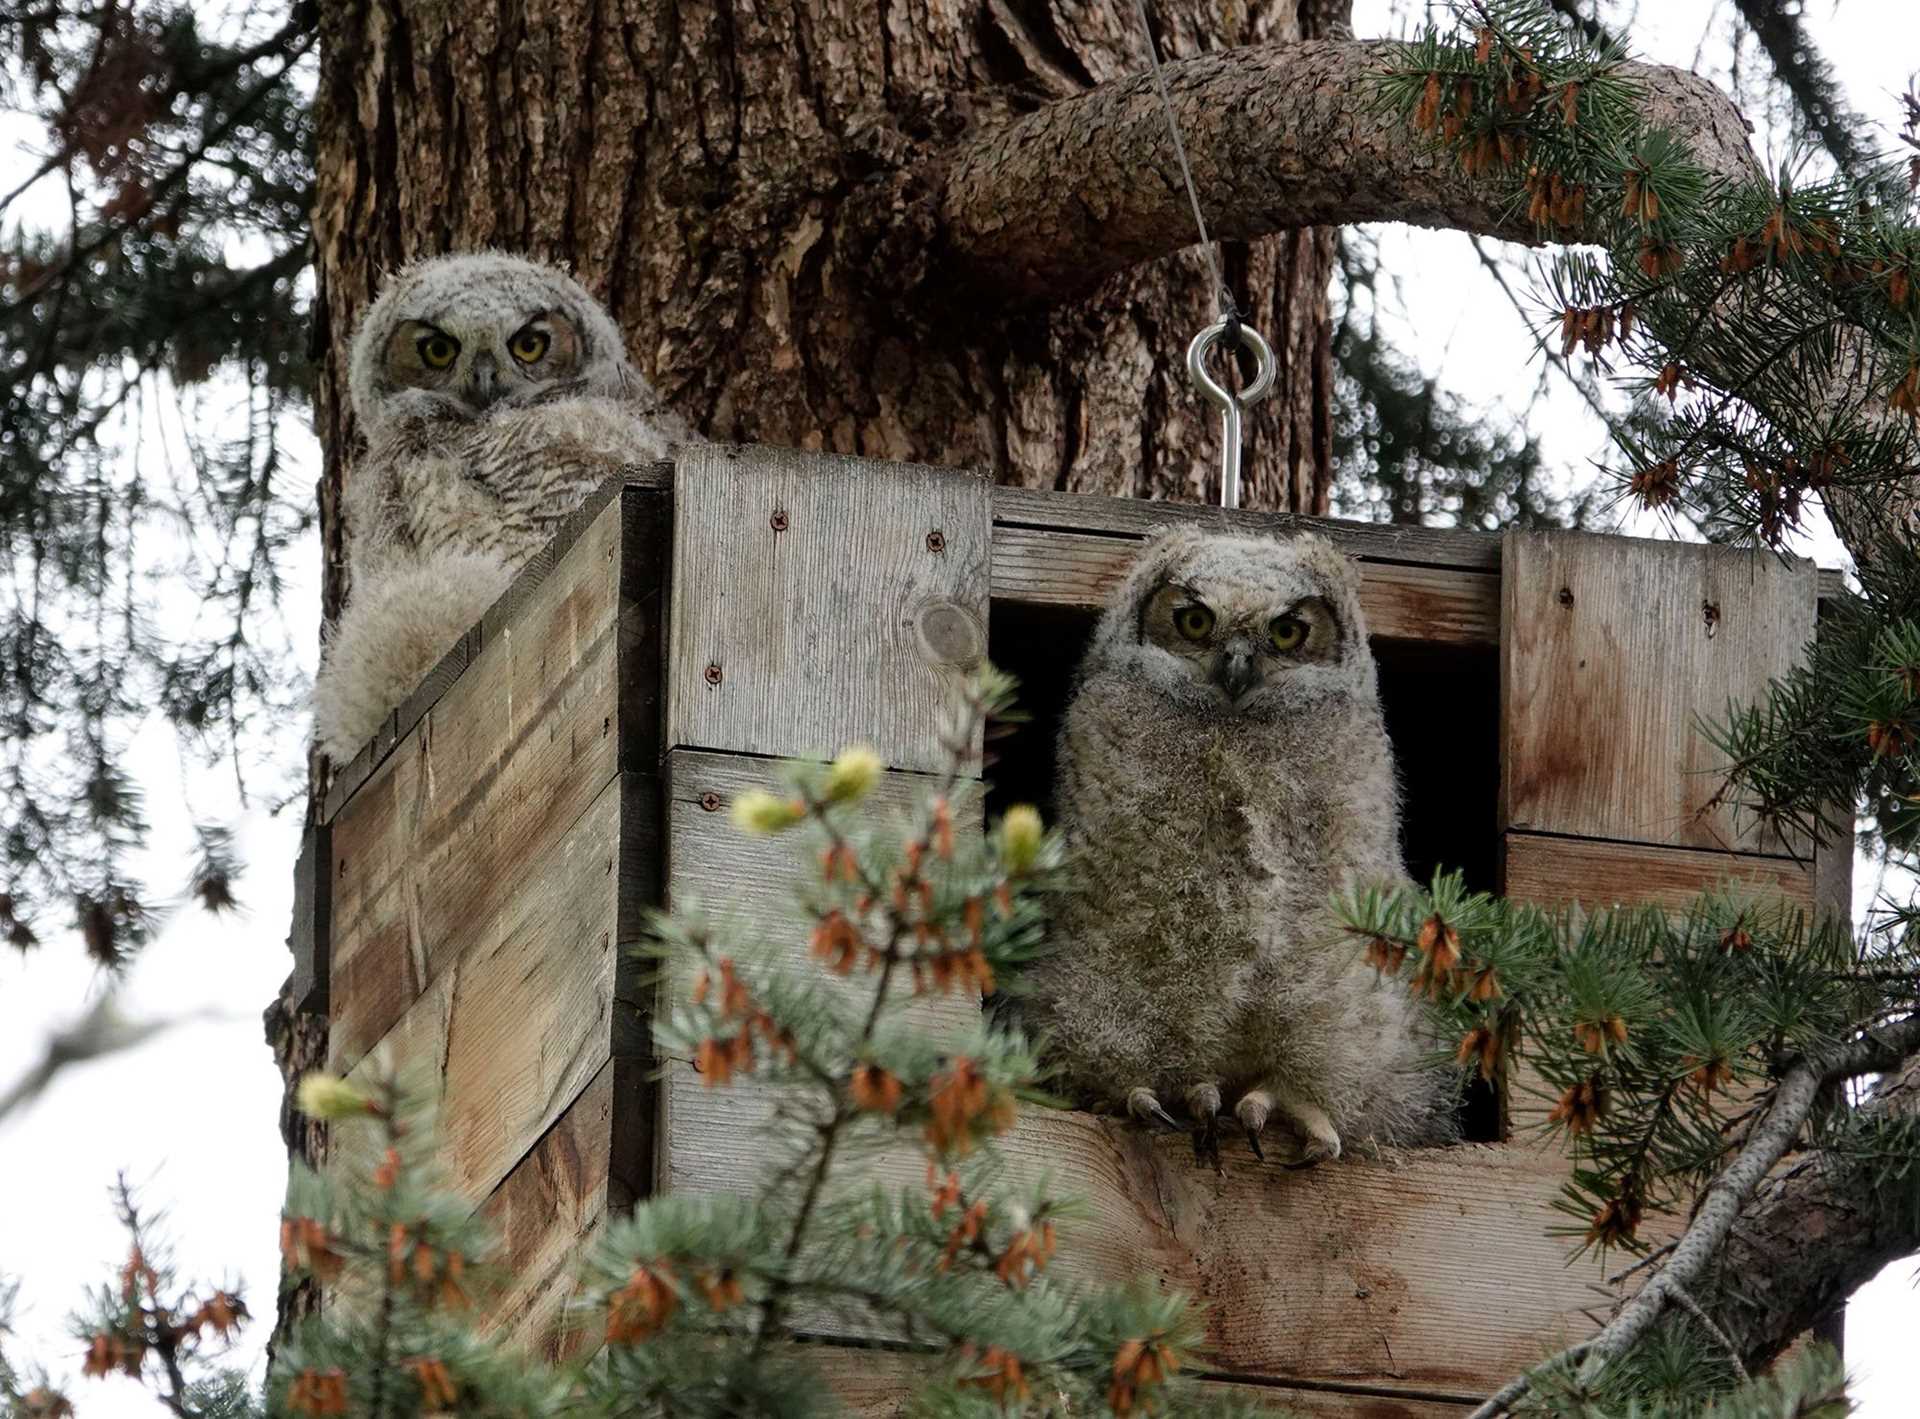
191 1115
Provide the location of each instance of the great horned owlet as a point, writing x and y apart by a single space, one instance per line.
494 394
1223 771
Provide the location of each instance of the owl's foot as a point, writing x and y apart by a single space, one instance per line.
1252 1111
1145 1106
1320 1142
1203 1102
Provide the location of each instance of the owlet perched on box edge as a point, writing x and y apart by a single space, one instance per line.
494 394
1224 769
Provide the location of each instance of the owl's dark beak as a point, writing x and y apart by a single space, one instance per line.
1236 669
483 382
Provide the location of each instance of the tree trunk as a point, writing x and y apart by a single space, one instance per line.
729 179
703 168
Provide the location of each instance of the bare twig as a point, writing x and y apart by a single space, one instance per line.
1641 1265
1692 1308
1515 1390
103 1030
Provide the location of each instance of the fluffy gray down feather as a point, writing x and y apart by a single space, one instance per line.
1196 944
394 630
469 469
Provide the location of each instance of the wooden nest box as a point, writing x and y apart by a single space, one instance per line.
482 866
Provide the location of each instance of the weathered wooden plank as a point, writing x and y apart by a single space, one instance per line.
1136 517
448 832
344 780
515 1027
749 888
1611 649
545 1213
1833 869
1442 605
1553 870
1354 1273
877 1384
822 600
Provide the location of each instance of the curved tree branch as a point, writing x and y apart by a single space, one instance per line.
1811 1236
1720 1240
1280 136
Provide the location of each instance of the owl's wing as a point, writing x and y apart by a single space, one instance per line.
407 611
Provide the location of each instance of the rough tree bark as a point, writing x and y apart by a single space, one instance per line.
709 169
1829 1225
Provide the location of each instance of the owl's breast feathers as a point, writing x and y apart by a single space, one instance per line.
1227 792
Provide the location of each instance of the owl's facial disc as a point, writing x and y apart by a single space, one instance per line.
1235 644
475 363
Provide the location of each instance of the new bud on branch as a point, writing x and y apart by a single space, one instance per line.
327 1096
1021 836
761 814
851 777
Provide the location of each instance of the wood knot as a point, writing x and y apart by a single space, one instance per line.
713 675
936 541
1565 598
949 634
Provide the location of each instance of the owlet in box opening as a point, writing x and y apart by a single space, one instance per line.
494 394
1224 770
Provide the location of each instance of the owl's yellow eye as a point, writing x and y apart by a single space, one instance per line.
529 346
1288 632
437 350
1193 622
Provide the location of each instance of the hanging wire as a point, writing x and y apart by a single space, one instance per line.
1229 311
1228 328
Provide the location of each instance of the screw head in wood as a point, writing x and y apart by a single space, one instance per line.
1566 596
778 522
936 541
710 802
713 675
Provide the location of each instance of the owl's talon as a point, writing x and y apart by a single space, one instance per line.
1145 1107
1206 1144
1253 1142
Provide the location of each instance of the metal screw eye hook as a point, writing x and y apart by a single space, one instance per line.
1229 404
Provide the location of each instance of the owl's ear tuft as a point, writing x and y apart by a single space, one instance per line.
1157 559
1127 607
1338 574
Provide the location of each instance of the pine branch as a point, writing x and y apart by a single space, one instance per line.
1502 1400
898 931
1706 1235
1706 1323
